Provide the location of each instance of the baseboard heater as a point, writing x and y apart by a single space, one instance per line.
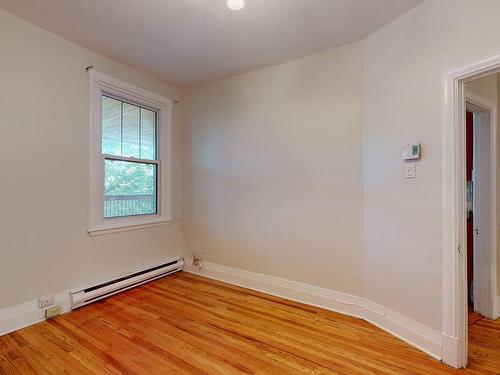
94 293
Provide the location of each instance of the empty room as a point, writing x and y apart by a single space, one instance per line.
249 187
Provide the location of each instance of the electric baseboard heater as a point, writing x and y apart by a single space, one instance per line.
105 289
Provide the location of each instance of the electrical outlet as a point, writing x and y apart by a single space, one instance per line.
53 311
197 263
46 301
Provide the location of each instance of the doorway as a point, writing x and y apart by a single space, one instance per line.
473 316
455 283
480 154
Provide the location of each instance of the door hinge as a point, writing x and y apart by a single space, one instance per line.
459 248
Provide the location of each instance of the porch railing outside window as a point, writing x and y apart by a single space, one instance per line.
128 205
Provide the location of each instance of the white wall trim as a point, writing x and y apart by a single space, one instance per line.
28 313
414 333
127 88
454 208
126 228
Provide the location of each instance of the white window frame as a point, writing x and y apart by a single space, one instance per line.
100 84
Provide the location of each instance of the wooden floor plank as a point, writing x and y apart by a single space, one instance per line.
187 324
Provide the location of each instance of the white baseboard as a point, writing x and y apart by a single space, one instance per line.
451 351
420 336
28 313
414 333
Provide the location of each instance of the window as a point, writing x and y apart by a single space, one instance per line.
130 165
129 161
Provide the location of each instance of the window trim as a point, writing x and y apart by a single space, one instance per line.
99 84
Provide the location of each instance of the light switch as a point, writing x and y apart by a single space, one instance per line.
410 170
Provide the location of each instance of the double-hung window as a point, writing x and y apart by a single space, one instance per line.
130 174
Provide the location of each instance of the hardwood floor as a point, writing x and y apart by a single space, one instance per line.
186 324
473 317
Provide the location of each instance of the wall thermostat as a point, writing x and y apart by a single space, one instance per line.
411 151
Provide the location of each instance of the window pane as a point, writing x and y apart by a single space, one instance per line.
111 126
128 130
148 134
129 188
131 118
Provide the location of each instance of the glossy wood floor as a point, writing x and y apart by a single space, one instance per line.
185 324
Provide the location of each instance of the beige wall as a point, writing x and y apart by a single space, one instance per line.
259 188
286 170
44 246
484 88
403 81
272 170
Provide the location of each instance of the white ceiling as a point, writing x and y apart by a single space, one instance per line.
186 42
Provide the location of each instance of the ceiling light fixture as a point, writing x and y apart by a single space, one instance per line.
235 4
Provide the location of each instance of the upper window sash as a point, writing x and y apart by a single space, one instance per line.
129 129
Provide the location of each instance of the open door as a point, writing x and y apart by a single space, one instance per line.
482 205
469 162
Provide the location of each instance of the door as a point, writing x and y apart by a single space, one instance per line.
469 159
482 214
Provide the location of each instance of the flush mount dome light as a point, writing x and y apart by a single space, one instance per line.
235 4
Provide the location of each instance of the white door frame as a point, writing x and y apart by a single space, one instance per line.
485 257
454 335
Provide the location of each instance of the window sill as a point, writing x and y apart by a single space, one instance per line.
99 231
